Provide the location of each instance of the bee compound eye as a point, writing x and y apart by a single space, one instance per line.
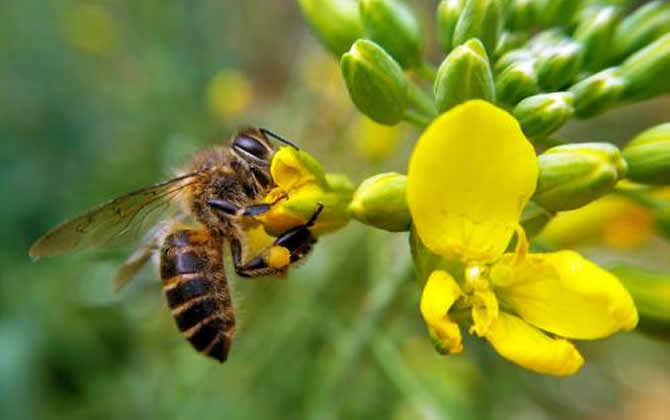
250 146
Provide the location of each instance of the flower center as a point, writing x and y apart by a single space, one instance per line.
480 297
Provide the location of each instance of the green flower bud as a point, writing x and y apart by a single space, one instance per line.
521 14
541 115
542 41
481 19
516 82
573 175
509 41
555 12
393 26
375 81
516 56
648 156
595 32
640 28
448 12
598 92
464 74
381 201
336 23
647 71
558 66
534 218
651 294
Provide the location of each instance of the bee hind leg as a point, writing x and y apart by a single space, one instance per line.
298 241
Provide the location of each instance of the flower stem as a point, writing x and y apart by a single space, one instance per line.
421 101
427 71
417 118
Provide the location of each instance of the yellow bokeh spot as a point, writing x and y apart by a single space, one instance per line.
229 93
92 29
375 141
614 220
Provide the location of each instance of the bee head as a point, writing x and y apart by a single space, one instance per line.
254 146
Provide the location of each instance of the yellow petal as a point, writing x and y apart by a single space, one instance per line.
301 205
291 168
530 348
302 187
484 311
469 177
439 294
565 294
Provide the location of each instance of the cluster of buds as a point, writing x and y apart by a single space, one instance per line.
529 64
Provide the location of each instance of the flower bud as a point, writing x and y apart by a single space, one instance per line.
555 12
393 26
337 23
521 15
515 56
465 74
646 72
648 156
558 66
481 19
534 218
302 187
643 26
542 41
516 82
595 32
381 201
541 115
375 81
573 175
509 41
448 12
598 92
651 294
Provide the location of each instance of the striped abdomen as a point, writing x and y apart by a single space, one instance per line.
196 290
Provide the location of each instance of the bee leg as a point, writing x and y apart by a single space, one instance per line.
298 241
252 210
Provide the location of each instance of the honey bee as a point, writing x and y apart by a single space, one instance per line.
210 201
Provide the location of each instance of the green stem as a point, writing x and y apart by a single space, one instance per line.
421 101
416 118
427 71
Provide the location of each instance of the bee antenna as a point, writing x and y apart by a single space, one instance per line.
278 137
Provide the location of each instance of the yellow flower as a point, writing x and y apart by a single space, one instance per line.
301 187
614 220
469 178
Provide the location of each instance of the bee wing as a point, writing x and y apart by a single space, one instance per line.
116 222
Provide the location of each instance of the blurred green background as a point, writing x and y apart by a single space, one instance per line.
99 98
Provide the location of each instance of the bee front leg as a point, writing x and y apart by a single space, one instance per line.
233 210
252 210
298 242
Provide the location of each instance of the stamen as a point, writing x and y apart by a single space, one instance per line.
521 249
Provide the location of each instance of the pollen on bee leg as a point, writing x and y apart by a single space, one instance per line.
278 257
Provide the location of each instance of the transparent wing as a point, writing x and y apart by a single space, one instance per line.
117 222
